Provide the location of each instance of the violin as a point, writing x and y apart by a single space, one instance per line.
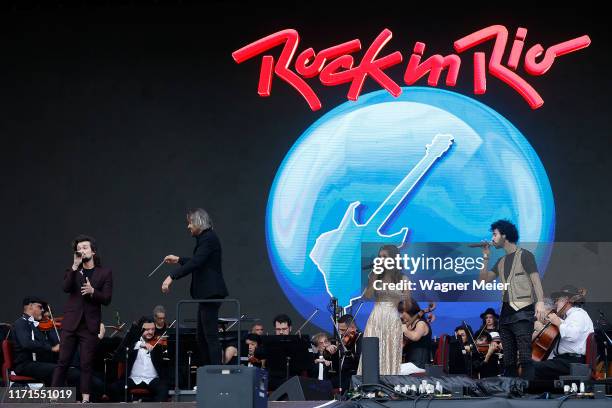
161 339
158 339
47 323
411 324
483 348
349 338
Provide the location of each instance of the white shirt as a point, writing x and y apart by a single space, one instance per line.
143 369
574 330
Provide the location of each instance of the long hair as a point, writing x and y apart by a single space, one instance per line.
392 275
94 247
198 217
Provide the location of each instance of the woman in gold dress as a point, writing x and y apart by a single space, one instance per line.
384 321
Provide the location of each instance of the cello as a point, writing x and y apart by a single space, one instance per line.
542 344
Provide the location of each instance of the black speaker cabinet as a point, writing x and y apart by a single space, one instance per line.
369 360
232 386
303 389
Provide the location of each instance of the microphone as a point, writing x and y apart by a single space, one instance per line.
480 245
367 267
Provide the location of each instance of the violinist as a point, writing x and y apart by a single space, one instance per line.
574 325
460 351
230 355
159 315
322 356
351 339
417 334
487 363
146 365
490 322
34 351
255 355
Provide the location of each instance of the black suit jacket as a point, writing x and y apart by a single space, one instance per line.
204 267
24 346
89 306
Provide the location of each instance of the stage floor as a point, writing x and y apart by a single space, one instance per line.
423 403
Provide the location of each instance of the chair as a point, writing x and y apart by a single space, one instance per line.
441 356
135 393
7 367
588 370
591 354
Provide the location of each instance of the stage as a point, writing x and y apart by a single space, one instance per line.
424 402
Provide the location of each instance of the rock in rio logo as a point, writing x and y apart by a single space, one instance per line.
417 165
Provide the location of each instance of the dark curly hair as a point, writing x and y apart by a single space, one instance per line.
506 228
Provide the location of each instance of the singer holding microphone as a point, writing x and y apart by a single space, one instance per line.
89 286
523 301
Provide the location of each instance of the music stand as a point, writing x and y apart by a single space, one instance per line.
286 355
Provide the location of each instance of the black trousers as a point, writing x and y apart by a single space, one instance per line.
158 389
68 347
208 333
553 368
43 372
516 340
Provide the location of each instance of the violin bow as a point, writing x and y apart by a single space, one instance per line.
163 334
53 320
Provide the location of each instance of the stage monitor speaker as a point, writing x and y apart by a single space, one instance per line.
303 389
232 386
370 362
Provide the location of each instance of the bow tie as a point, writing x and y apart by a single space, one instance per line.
34 321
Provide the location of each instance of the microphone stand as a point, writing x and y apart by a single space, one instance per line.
473 348
125 388
343 351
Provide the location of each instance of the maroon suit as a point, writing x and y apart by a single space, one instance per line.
81 324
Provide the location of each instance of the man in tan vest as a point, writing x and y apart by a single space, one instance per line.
522 301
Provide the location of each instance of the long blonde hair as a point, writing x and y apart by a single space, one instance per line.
392 275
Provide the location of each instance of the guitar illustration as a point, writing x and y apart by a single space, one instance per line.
337 253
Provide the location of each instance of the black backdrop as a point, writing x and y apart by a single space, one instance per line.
117 117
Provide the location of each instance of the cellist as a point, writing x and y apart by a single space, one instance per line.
574 325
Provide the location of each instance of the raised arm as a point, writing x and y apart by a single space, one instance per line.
486 274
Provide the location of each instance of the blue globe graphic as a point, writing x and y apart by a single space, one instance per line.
330 191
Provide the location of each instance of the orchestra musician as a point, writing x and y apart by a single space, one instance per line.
322 356
487 362
159 316
490 322
89 286
255 356
146 367
351 352
231 352
417 335
32 347
574 325
282 325
460 351
523 299
257 328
